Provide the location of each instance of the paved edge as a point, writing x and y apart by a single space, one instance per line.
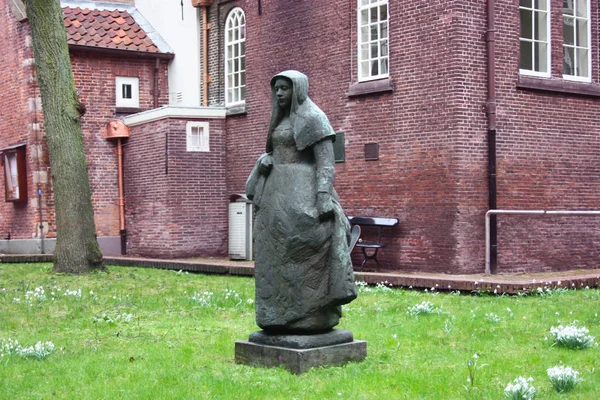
490 283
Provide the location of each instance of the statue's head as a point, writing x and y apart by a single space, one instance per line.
283 90
297 82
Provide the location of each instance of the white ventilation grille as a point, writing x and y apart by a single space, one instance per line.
175 97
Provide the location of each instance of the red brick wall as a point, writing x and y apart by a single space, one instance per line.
95 81
432 130
176 200
548 158
16 120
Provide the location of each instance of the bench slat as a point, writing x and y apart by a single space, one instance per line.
373 221
371 245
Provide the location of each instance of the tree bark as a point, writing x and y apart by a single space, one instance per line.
77 248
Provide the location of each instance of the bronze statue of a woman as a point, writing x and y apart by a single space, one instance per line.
303 268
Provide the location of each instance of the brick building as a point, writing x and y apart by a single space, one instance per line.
118 69
429 98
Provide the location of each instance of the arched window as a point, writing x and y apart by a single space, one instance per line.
235 57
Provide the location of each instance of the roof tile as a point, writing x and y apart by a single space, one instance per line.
103 28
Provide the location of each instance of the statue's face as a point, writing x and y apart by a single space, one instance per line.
283 92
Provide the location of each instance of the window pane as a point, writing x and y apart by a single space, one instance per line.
568 7
541 29
127 92
365 72
374 68
373 13
582 8
582 63
582 33
541 4
525 58
540 60
525 3
374 32
383 13
384 48
243 63
383 29
568 59
364 51
384 66
526 28
374 50
568 32
364 34
364 17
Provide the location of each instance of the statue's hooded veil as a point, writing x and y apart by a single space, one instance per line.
309 123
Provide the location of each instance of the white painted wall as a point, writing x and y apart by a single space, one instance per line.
183 36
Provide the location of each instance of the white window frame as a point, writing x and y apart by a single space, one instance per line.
365 41
235 57
548 42
14 160
574 46
121 101
199 142
11 171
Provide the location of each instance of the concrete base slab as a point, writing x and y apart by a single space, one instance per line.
298 361
306 341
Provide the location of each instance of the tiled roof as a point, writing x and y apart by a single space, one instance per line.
108 29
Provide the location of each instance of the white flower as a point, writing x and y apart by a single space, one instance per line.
520 389
563 378
572 336
424 307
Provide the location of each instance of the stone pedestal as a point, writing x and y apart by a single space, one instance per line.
298 353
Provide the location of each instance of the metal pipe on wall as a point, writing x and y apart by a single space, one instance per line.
121 201
156 71
491 135
205 28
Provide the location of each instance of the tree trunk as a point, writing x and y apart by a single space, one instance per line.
77 249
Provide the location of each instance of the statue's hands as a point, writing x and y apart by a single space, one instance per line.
324 206
265 165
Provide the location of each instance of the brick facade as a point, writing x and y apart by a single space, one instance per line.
176 200
18 110
22 122
431 130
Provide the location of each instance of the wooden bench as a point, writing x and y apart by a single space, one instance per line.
378 222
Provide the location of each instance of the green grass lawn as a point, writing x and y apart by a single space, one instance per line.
137 333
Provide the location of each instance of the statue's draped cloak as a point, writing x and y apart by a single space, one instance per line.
303 268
